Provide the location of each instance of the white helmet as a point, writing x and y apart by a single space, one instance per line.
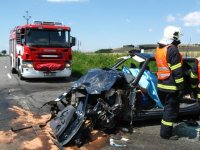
171 34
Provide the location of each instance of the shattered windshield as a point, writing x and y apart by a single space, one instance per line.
47 38
98 80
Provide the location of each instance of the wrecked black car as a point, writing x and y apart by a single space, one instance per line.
105 96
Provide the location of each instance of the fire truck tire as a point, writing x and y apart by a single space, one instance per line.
62 78
13 71
20 75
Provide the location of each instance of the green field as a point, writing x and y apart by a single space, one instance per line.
82 62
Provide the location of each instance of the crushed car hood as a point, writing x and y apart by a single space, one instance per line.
98 80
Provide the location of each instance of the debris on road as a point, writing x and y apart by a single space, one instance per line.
38 137
116 144
118 139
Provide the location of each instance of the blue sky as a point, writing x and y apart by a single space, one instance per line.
101 24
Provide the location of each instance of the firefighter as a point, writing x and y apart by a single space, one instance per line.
194 80
190 79
170 78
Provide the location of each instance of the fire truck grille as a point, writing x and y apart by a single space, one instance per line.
49 56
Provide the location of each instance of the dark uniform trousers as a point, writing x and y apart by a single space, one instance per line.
198 94
170 114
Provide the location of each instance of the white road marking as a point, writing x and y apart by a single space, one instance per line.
6 67
9 76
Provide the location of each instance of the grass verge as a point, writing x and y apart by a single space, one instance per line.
82 62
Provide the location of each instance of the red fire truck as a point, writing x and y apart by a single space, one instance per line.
41 50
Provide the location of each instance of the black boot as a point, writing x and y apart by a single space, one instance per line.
192 122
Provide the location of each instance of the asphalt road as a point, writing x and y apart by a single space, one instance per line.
27 94
32 94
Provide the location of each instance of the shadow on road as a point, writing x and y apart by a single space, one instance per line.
51 80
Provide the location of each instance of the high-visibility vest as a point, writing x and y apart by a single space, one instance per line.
198 94
199 71
161 61
164 70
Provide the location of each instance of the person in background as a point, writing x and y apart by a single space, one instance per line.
170 78
198 74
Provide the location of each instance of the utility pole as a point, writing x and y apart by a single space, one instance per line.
79 44
27 17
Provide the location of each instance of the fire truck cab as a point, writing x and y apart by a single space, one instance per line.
41 50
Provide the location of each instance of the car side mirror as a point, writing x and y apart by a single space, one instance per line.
72 41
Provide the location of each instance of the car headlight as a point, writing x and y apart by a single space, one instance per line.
67 64
27 65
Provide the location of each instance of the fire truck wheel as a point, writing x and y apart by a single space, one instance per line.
63 78
13 71
20 75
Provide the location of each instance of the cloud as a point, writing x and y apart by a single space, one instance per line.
198 30
171 18
61 1
192 19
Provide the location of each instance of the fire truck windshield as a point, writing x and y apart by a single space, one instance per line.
47 38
